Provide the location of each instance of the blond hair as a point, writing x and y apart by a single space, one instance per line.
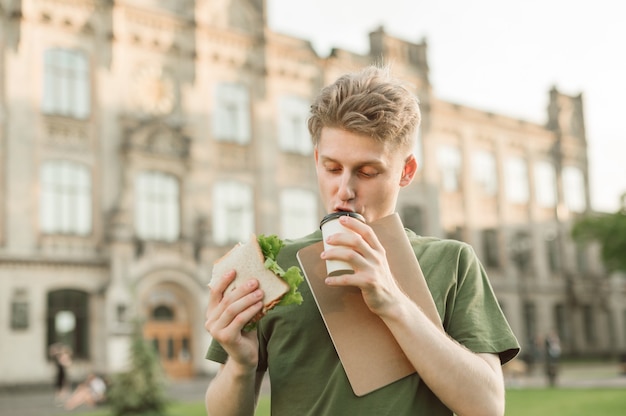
368 102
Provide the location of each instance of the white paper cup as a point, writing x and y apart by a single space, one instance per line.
330 225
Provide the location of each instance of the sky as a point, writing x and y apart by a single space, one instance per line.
501 56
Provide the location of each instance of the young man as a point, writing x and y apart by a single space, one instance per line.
363 127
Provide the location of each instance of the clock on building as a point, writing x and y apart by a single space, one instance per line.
154 90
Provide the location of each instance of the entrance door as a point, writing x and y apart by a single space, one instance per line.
172 341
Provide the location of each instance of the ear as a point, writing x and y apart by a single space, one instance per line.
315 154
409 170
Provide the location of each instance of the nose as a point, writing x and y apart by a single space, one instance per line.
346 191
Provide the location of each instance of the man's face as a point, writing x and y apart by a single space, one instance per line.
357 173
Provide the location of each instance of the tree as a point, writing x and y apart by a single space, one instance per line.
609 230
141 389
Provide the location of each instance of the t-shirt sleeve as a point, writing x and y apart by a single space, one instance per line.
216 353
477 321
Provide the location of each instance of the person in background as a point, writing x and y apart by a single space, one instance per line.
364 128
90 392
553 355
62 357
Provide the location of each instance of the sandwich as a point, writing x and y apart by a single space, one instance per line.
257 259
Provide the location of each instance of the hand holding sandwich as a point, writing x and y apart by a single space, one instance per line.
229 311
246 283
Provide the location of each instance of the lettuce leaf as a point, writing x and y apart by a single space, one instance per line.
293 276
270 246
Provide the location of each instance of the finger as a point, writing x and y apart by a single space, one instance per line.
238 302
220 296
242 309
218 286
216 293
351 248
346 254
347 239
364 230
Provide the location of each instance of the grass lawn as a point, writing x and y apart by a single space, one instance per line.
520 402
565 402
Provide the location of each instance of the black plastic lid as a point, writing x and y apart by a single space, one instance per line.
338 214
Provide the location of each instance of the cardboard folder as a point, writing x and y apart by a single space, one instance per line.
368 351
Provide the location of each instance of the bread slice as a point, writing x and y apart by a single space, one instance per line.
248 261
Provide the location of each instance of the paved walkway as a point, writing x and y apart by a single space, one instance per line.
40 401
605 375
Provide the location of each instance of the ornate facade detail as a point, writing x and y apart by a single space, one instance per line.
155 137
155 90
233 156
158 31
66 131
75 15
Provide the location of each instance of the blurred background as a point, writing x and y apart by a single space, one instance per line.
499 57
141 139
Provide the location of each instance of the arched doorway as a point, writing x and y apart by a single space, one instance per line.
168 328
67 319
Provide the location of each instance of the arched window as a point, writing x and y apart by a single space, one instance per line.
163 313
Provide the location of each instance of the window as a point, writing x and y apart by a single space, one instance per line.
554 252
66 83
574 189
163 313
449 159
624 324
121 313
589 326
418 150
157 206
485 172
68 321
65 205
582 260
545 184
455 233
530 320
491 252
517 180
299 215
231 119
560 322
413 218
20 309
233 212
293 133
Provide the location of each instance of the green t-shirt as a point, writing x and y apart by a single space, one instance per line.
306 375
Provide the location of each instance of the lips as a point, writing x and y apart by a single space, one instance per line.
343 209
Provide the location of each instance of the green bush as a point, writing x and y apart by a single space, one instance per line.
141 389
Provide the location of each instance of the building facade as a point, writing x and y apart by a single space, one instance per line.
141 139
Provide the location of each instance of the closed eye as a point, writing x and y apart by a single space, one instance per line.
368 173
